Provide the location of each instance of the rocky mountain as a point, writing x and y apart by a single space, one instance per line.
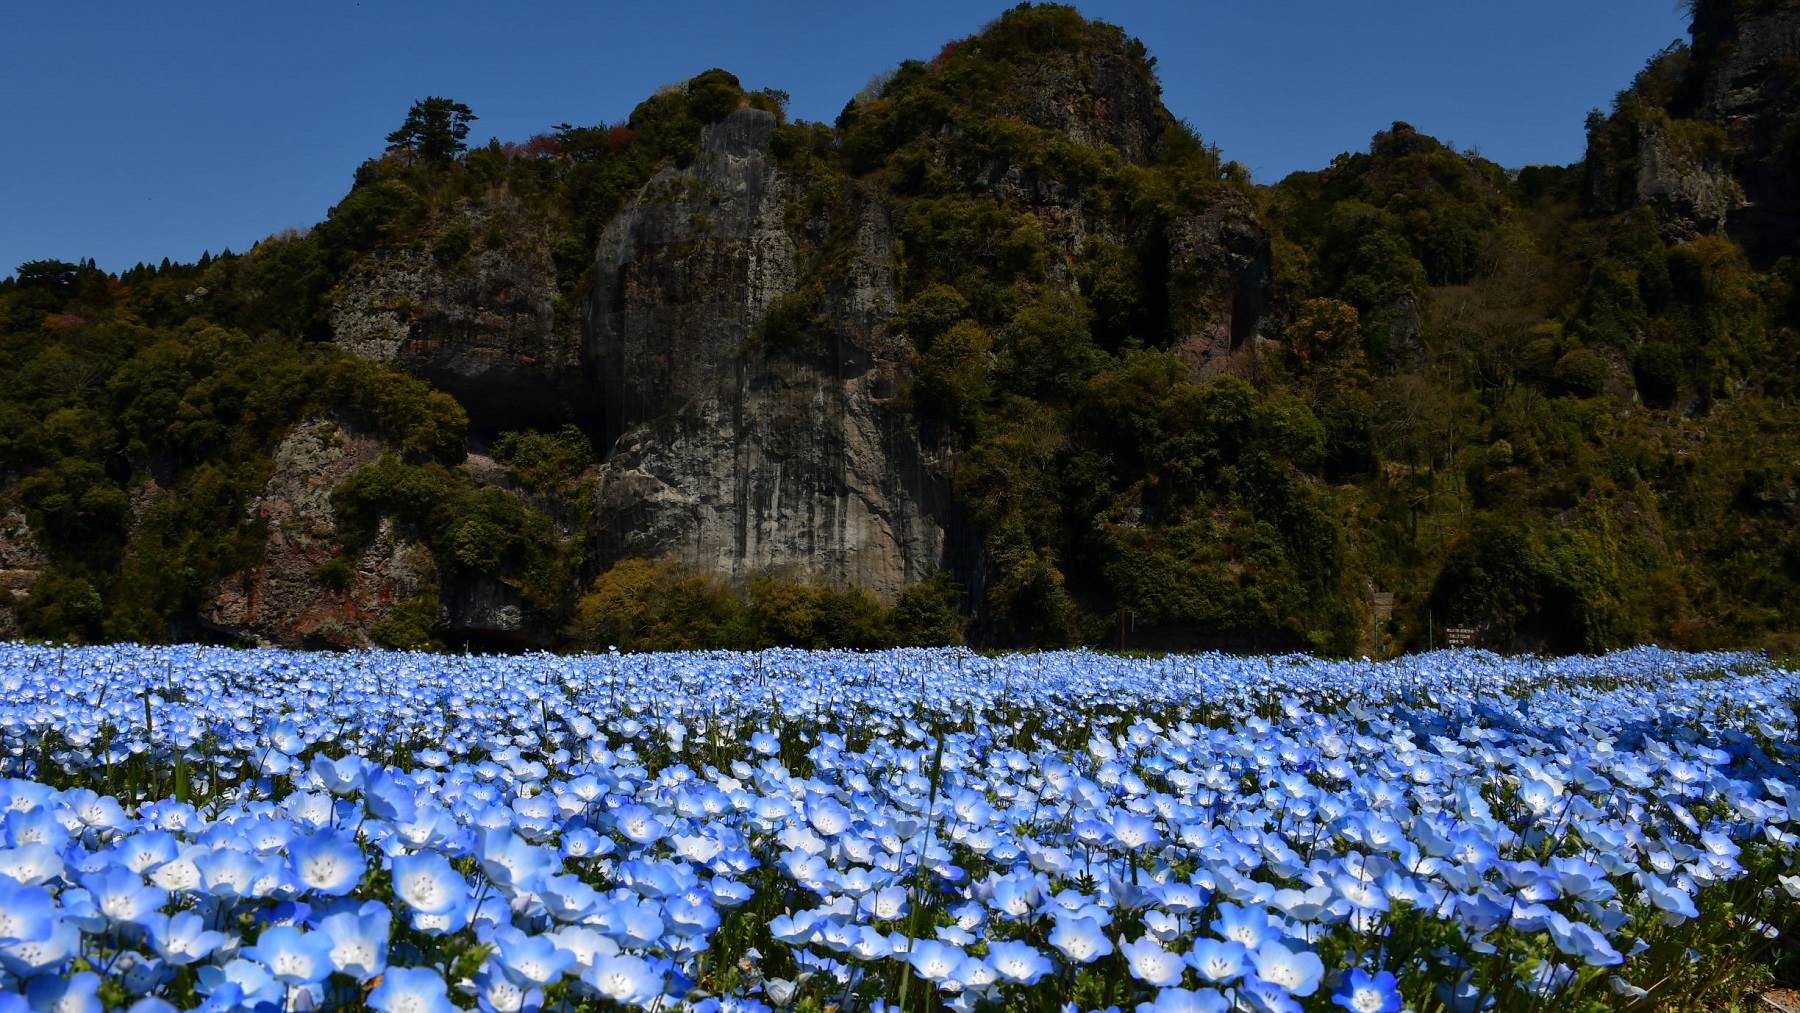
1006 352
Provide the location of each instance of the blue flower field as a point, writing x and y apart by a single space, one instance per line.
199 828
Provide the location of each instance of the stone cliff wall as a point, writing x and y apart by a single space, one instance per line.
1751 89
281 601
736 458
21 561
473 311
1724 152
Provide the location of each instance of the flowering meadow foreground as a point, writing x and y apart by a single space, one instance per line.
201 828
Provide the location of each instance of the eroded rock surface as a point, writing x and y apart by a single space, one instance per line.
21 561
473 311
282 600
738 459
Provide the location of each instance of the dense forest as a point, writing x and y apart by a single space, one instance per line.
1555 404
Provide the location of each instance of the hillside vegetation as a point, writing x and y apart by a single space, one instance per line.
1518 399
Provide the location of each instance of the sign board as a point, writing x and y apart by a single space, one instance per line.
1459 636
1384 605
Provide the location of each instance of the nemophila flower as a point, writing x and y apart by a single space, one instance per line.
38 826
885 904
411 990
28 958
729 893
1082 940
690 918
1669 897
359 940
531 961
639 824
27 913
226 873
181 938
1017 962
327 862
1152 964
292 957
30 864
1246 925
496 992
387 799
428 884
583 842
1181 1000
566 898
1133 832
143 852
138 973
584 943
74 994
94 810
1162 926
1266 996
1296 971
624 978
633 922
1362 992
934 961
1218 960
510 862
343 776
1579 940
121 895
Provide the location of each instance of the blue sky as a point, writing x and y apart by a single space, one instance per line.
134 131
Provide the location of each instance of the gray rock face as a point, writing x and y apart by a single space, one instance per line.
281 601
1752 90
1099 96
474 313
1692 195
1221 279
737 459
21 561
1727 153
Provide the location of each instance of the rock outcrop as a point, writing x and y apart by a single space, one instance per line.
283 600
1749 57
473 310
1692 194
1095 95
1711 139
21 561
1221 280
731 456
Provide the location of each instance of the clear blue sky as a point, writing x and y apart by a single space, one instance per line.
134 131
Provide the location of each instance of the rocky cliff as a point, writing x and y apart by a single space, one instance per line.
730 455
1709 135
471 307
21 561
738 353
288 599
1747 58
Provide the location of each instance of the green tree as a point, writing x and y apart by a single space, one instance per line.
436 130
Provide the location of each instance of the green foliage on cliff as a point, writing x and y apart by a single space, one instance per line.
140 420
639 605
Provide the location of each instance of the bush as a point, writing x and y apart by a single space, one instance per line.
411 625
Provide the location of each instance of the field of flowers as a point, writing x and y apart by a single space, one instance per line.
200 828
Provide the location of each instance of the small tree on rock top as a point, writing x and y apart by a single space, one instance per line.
435 130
